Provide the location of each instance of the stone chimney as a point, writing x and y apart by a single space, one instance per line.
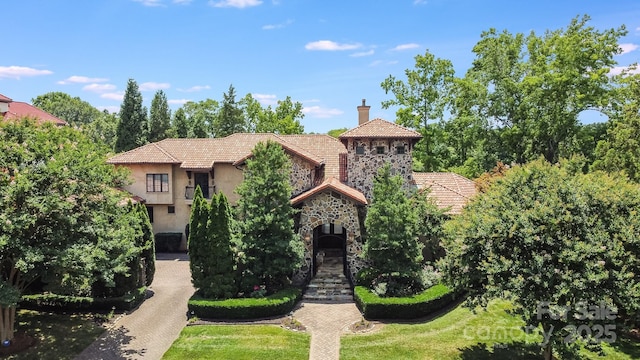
363 112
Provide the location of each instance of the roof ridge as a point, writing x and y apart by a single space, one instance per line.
165 152
368 123
449 188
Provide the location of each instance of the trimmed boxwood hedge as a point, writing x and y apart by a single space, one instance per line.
422 304
279 303
81 303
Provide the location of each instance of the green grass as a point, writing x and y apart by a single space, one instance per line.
460 334
58 336
239 342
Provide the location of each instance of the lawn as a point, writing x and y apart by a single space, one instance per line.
239 342
460 334
58 336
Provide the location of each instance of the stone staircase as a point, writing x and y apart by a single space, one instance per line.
329 284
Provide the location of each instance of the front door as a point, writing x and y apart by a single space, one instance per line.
202 179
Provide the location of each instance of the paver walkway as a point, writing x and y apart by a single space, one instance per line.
149 331
326 322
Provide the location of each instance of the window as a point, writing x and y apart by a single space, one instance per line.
360 150
399 149
379 149
150 212
171 209
157 182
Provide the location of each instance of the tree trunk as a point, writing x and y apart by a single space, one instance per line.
7 320
547 352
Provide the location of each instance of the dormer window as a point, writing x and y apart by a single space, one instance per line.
379 150
360 150
400 150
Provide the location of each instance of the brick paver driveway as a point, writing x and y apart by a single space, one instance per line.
149 331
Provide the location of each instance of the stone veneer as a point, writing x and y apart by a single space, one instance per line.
325 208
300 175
362 168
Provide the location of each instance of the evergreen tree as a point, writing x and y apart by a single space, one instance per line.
160 117
147 242
132 128
197 243
180 124
392 247
220 268
230 119
271 249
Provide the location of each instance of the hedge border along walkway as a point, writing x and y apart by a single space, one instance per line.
429 301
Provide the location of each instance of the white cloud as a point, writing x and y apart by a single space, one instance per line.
240 4
320 112
328 45
152 3
265 99
196 88
363 53
382 63
16 72
178 101
627 48
182 2
403 47
118 96
277 26
617 70
99 88
152 86
75 79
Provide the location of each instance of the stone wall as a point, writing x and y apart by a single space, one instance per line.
326 208
362 168
300 175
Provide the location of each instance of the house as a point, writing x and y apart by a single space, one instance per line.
15 110
332 179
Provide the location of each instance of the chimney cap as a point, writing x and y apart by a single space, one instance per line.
363 102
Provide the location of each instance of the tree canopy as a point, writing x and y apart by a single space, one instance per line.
159 117
550 238
73 110
132 128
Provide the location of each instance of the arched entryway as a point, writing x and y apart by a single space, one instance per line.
329 240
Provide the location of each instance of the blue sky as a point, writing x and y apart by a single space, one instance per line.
328 55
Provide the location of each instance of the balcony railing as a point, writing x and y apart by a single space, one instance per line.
207 192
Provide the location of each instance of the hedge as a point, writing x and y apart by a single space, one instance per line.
279 303
80 303
422 304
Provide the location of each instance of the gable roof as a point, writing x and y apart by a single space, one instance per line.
18 110
449 190
332 184
380 129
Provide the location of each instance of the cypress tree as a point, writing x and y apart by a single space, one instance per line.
392 246
180 124
230 119
160 117
271 249
198 239
132 128
219 274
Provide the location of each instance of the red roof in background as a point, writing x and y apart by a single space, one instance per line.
5 99
18 110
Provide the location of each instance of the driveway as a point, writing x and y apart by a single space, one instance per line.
148 332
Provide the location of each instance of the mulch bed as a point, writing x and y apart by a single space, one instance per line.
19 343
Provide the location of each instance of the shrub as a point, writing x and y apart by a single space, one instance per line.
410 307
279 303
83 303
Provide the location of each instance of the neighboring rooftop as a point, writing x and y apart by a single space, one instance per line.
450 191
14 110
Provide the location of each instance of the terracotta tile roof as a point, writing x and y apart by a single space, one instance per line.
18 110
449 190
324 146
234 149
332 184
378 128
